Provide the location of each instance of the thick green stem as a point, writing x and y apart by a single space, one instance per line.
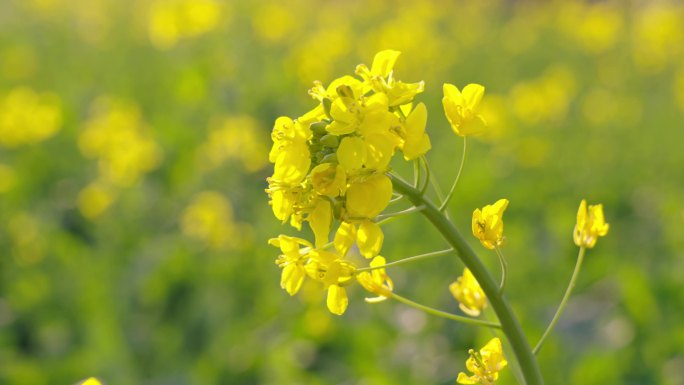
564 301
443 314
509 323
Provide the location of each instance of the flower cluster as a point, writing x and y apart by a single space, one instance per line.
329 167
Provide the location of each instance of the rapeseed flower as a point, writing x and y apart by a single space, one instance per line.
485 364
461 109
376 281
488 224
330 167
467 291
590 225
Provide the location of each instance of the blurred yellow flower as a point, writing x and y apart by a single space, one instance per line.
209 219
485 364
172 20
590 225
376 281
488 224
28 117
461 109
116 136
96 198
90 381
467 291
236 138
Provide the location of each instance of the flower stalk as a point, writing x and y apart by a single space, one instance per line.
509 323
564 301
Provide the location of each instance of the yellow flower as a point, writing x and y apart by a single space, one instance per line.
461 109
367 198
376 281
590 225
381 80
488 224
369 237
416 141
484 365
469 294
329 179
329 268
292 261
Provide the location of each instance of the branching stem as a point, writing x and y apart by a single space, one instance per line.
443 314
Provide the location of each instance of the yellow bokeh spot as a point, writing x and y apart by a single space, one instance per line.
117 138
238 138
28 117
209 219
172 20
95 199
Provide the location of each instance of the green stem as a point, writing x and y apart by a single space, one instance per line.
509 323
409 210
504 269
443 314
409 259
458 176
564 301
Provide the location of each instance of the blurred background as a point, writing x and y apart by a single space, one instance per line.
133 157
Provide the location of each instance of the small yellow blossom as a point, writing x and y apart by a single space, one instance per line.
416 141
488 224
344 237
376 281
291 261
469 294
330 269
485 365
590 225
369 238
461 109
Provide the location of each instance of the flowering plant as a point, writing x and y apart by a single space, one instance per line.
331 170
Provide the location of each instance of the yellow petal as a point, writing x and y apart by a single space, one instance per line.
472 94
291 278
367 199
351 153
344 237
369 239
337 299
320 220
383 62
